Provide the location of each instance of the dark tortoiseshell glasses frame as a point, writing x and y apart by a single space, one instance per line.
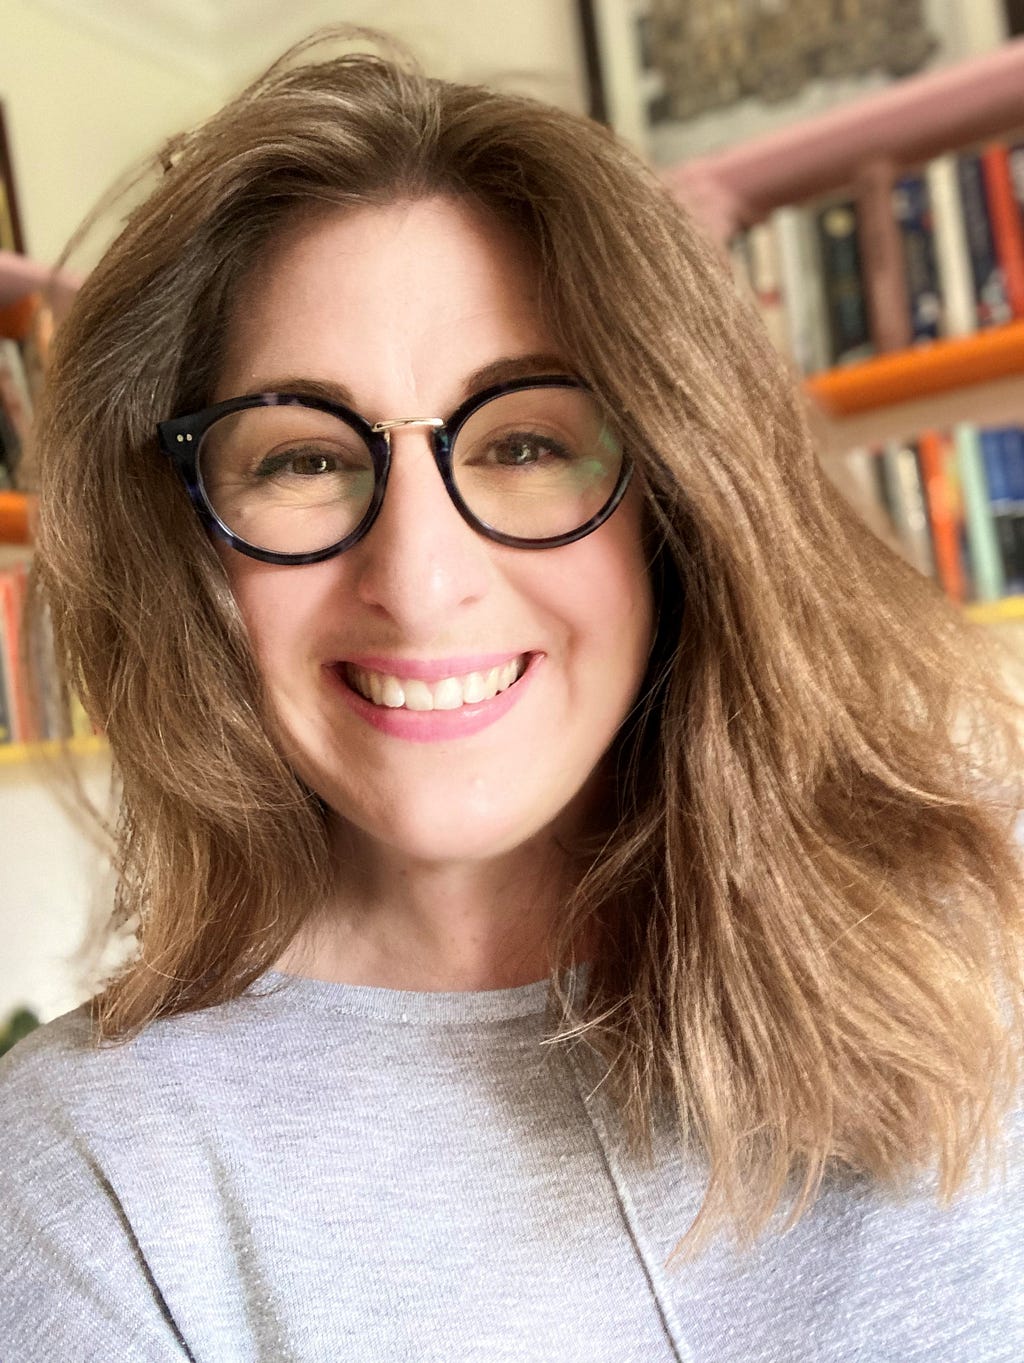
181 437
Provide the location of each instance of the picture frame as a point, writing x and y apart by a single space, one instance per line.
11 235
674 99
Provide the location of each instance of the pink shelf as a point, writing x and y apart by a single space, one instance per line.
20 275
909 122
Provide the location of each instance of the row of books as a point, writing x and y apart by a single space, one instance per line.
954 503
27 711
902 258
26 330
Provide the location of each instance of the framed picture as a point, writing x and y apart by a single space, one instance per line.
11 238
679 78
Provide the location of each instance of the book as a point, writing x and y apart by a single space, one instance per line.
13 587
846 308
906 499
765 281
944 513
952 257
1006 513
803 293
880 215
16 403
1005 219
990 299
989 576
912 210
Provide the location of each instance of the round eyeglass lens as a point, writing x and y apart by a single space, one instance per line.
537 463
288 479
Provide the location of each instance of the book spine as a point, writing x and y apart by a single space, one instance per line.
989 290
6 725
19 709
882 257
940 497
766 282
1016 159
905 495
850 338
1004 516
952 257
803 291
913 214
989 578
1007 229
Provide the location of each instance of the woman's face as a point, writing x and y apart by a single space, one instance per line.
402 305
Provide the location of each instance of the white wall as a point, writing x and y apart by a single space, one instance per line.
54 880
79 111
90 87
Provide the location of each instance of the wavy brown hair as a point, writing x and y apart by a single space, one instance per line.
808 913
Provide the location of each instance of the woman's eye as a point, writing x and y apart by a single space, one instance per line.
517 451
303 464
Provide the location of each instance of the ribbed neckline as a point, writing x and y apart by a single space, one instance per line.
411 1005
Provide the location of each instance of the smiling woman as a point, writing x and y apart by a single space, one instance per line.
564 844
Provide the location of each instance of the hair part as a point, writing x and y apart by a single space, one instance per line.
809 904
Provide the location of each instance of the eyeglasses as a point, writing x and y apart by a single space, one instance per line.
296 479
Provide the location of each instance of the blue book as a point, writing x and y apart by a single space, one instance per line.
1012 438
995 468
1006 521
912 208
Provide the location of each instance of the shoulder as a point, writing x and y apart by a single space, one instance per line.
46 1066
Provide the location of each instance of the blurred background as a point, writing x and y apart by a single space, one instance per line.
90 87
861 162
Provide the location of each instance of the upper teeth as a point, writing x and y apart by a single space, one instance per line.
447 694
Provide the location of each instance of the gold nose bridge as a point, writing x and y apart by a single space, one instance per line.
386 427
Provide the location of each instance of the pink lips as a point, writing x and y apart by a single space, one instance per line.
434 726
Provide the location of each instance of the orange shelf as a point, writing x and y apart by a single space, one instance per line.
14 518
936 367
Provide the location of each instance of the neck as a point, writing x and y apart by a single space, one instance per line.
401 923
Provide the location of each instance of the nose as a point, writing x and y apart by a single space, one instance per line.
420 563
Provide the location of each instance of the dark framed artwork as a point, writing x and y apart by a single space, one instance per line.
673 75
11 238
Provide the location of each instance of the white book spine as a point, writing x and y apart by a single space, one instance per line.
952 257
764 274
802 288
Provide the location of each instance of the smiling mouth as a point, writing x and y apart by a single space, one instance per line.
449 693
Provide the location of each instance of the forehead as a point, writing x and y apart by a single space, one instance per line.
398 302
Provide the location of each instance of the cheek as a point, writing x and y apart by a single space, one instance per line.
607 601
278 605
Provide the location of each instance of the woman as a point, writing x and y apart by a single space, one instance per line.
577 906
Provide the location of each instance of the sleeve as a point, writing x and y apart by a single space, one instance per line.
73 1283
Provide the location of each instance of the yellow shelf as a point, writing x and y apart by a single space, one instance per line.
996 612
11 754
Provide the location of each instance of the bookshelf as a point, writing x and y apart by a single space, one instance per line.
936 384
905 124
938 367
20 276
14 518
908 122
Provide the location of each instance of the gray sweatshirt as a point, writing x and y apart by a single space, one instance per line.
338 1172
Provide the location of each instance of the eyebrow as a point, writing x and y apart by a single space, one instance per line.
505 370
